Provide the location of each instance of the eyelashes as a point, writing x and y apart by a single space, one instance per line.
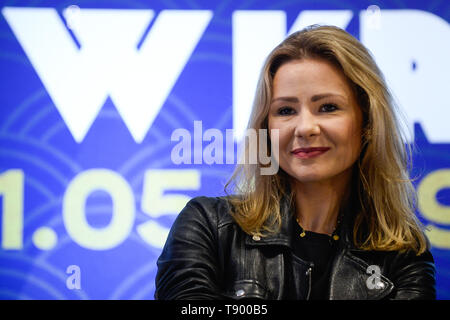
283 111
326 108
332 105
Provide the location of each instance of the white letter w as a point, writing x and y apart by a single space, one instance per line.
108 62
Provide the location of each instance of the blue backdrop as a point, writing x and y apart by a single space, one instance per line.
90 98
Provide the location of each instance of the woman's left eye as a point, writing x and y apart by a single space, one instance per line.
329 107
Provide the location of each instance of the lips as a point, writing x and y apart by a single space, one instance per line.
305 153
310 149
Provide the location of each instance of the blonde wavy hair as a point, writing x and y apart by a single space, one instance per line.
386 219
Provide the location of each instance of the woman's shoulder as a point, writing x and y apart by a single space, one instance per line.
215 209
396 259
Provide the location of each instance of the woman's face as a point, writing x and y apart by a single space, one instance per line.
313 106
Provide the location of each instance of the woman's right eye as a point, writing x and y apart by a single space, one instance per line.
283 111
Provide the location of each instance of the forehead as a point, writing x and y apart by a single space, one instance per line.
309 77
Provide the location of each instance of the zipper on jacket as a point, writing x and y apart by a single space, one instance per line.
309 274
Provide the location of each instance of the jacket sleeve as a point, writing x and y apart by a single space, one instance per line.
188 266
414 277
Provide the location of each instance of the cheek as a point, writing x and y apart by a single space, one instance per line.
350 137
284 132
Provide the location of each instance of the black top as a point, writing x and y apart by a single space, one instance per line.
319 249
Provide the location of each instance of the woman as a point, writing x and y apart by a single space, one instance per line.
337 220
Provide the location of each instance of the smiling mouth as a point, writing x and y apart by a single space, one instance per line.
306 153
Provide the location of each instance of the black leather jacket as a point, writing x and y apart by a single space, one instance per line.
208 256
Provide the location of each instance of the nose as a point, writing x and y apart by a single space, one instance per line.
307 124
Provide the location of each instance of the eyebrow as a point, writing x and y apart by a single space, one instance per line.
314 98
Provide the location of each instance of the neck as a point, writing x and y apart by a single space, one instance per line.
318 203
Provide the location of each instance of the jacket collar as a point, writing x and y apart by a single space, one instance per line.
281 238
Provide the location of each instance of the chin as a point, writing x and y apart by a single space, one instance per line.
308 177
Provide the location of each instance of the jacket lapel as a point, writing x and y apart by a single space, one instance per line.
350 280
350 275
